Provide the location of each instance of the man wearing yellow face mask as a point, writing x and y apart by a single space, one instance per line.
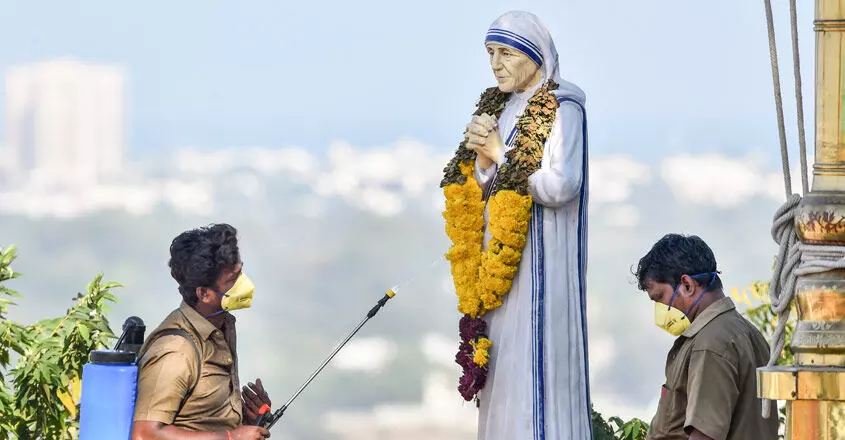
711 390
188 385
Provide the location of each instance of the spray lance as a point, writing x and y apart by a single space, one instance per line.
267 419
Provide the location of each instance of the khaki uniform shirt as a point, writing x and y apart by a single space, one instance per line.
711 380
168 368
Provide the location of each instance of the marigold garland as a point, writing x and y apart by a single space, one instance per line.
483 278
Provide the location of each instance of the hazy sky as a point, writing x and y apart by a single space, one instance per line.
660 76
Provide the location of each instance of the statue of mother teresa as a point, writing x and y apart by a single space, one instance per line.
516 213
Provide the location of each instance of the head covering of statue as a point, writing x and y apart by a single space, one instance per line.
523 31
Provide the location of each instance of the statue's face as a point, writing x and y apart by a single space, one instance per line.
514 71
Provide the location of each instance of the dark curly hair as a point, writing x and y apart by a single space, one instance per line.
198 256
676 255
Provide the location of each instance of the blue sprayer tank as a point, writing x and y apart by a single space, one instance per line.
109 385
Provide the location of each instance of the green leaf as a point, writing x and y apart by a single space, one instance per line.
84 332
111 285
94 285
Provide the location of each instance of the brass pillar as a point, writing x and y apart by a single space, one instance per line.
814 388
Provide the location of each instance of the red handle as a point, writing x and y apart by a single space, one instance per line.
263 415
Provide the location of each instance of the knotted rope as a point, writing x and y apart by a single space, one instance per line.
794 259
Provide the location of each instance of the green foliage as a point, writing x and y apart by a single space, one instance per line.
601 429
12 339
634 429
765 320
43 399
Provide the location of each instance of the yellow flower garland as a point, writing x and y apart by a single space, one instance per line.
483 278
464 226
481 356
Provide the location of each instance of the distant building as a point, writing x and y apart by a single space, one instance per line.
64 124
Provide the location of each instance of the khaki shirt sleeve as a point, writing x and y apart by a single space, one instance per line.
166 373
712 393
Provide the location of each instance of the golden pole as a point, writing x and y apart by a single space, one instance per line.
814 388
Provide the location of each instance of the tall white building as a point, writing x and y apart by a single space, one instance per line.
64 123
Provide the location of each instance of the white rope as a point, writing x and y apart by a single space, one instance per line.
794 259
782 286
773 55
799 98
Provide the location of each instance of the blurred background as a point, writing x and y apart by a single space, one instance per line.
319 130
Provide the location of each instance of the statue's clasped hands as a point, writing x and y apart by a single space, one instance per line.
483 137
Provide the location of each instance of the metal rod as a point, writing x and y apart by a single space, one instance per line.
326 362
278 414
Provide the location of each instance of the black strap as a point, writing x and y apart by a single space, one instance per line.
184 334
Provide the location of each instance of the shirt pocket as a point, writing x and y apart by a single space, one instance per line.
663 404
666 420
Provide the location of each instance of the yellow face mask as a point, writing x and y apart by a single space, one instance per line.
240 295
670 319
674 321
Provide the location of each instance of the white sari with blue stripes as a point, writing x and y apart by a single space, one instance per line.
538 382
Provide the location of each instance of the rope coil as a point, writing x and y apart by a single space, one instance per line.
794 259
784 277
